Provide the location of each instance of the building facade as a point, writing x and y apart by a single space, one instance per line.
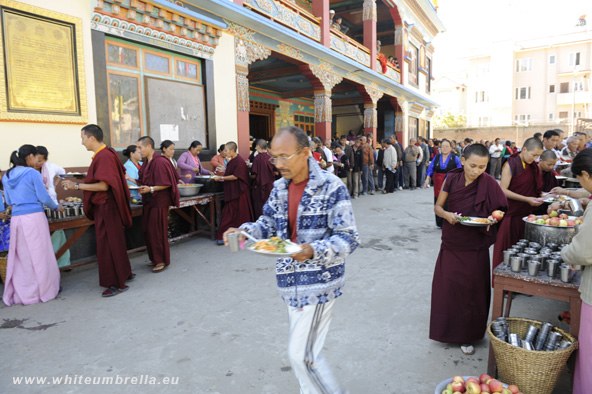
212 70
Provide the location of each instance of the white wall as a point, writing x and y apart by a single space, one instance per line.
62 140
225 91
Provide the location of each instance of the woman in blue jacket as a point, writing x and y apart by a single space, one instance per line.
32 274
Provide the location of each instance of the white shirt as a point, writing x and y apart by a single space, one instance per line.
496 150
329 155
390 159
49 171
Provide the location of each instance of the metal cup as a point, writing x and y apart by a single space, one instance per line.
534 245
533 267
523 260
507 254
552 266
565 273
233 242
516 263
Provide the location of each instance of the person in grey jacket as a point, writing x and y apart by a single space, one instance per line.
579 252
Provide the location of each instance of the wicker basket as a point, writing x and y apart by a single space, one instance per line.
3 264
535 372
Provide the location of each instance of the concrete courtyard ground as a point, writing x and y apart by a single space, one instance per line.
214 320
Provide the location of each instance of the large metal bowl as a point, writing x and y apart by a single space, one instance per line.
189 189
543 234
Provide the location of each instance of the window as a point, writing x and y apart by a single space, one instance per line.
578 86
483 121
564 87
551 116
413 64
551 88
563 115
523 93
156 63
574 59
552 59
305 123
480 96
413 127
523 65
429 76
521 119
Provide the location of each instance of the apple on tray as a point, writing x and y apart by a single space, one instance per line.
497 215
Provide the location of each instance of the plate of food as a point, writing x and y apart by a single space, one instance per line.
274 246
476 221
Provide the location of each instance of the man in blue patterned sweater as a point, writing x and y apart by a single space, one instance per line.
311 207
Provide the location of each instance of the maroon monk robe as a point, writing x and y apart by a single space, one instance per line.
237 202
460 288
527 181
549 180
155 211
112 214
263 171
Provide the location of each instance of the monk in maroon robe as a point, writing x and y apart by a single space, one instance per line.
159 191
546 166
263 175
106 201
237 202
460 289
522 184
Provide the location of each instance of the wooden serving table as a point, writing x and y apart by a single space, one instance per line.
196 204
508 282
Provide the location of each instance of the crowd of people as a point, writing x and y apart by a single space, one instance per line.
299 188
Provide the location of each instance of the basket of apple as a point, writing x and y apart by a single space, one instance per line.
484 384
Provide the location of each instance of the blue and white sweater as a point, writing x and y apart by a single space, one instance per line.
326 221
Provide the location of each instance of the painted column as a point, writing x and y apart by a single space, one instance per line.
320 9
323 78
400 39
401 120
245 53
323 114
371 95
369 21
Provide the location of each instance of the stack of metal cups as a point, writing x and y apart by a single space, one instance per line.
542 337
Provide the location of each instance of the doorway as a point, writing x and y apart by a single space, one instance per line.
260 126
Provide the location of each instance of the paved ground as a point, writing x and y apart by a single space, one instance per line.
214 319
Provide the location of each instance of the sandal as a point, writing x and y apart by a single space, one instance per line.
113 291
159 267
467 349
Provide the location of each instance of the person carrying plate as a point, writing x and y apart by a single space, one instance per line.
522 184
461 290
312 208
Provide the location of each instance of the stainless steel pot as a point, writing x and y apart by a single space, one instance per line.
548 234
189 190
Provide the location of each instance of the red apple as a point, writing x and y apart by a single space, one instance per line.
495 385
458 379
563 216
472 379
571 223
506 391
497 215
513 389
485 388
473 388
458 386
554 221
483 378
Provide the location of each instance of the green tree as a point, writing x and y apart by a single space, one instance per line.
450 121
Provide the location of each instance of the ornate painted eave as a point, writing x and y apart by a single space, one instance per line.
159 22
267 30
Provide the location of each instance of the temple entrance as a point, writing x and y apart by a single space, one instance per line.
260 126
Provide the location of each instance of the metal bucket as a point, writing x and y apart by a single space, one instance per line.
548 234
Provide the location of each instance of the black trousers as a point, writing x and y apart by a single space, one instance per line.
390 180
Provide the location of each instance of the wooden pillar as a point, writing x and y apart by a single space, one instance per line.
401 120
400 40
320 9
370 119
323 114
369 21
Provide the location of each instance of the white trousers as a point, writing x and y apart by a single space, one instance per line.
308 329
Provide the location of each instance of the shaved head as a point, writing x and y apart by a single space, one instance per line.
533 143
232 146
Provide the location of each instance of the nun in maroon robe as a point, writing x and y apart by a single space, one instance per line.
460 288
263 173
237 201
111 213
155 211
526 181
